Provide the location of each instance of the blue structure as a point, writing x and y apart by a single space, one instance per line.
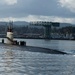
47 26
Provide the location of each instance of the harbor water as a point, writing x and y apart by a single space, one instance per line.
17 60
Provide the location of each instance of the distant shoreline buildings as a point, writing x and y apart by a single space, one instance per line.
40 30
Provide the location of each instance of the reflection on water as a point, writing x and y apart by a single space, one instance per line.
7 60
15 60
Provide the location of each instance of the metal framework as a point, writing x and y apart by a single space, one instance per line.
47 26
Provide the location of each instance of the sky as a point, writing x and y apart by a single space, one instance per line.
38 10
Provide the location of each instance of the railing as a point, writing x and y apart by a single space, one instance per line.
10 39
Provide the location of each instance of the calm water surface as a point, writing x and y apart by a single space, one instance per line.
17 60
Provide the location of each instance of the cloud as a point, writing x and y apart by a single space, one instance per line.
69 4
34 10
33 7
49 18
30 18
8 2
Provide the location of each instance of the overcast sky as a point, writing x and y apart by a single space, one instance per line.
38 10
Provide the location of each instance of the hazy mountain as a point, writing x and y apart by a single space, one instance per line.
24 23
66 24
16 23
3 23
20 23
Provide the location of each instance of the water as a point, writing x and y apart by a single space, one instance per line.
16 60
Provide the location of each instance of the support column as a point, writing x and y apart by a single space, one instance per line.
47 32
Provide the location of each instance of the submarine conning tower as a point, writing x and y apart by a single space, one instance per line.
9 33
